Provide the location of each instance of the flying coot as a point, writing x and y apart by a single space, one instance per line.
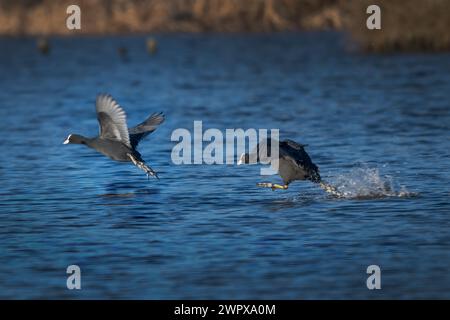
116 141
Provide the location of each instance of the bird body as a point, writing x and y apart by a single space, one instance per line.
104 146
289 172
293 162
116 141
121 150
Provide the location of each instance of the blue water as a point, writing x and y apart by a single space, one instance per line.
376 125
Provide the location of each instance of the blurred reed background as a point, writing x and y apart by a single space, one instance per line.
411 25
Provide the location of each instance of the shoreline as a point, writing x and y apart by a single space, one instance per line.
415 26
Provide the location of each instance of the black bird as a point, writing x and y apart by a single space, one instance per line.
123 53
43 45
293 162
116 141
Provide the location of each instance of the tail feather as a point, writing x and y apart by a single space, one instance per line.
314 176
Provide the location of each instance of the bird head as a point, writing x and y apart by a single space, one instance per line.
244 159
75 138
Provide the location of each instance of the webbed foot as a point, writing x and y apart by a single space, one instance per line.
141 165
273 186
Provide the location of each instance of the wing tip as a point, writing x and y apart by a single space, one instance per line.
102 95
159 116
105 98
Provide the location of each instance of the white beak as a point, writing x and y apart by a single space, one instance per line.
67 140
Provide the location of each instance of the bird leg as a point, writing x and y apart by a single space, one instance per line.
273 186
141 165
331 189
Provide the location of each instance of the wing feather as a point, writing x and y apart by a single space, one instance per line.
295 152
145 128
112 119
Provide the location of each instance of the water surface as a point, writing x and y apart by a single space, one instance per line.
377 126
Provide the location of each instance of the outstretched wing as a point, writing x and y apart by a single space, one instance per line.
112 119
145 128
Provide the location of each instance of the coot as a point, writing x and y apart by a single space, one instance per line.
293 162
116 141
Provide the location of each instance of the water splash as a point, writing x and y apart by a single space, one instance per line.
365 183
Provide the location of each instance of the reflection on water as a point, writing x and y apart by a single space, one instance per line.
209 231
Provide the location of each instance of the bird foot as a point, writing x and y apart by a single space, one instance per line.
273 186
141 165
331 189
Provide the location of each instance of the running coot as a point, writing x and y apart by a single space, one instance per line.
293 162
